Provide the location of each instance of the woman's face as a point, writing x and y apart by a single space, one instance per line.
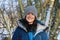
30 18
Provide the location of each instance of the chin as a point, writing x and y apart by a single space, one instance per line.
30 21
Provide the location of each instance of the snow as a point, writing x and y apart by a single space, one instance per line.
58 37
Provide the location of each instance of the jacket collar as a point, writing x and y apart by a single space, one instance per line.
39 29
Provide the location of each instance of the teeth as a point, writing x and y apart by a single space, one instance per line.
30 18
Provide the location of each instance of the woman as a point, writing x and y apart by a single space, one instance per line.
30 28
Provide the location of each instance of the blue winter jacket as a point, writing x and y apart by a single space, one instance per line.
21 32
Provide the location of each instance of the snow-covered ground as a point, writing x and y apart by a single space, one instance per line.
0 36
5 33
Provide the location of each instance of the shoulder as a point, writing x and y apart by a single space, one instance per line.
17 30
40 26
40 22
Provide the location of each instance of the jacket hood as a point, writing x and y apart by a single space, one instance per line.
31 9
40 27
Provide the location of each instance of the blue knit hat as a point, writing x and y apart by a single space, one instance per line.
31 9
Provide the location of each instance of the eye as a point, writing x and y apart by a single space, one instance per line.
30 13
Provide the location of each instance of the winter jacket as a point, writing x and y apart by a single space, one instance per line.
22 34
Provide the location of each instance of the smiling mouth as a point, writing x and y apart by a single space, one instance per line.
30 18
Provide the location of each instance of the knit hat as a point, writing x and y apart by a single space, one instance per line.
31 9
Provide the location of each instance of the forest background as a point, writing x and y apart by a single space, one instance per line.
13 10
